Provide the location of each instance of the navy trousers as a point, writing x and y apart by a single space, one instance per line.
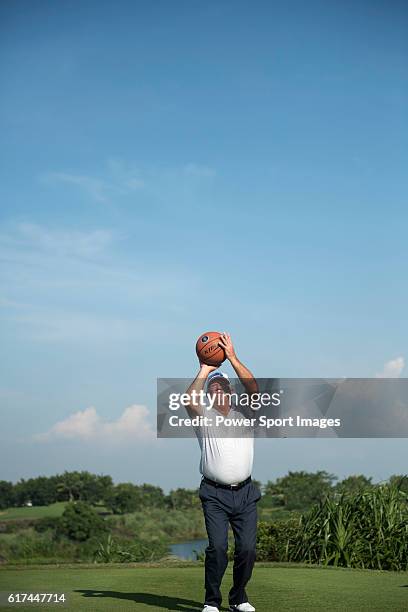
238 508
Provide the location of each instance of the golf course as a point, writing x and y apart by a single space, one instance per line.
177 586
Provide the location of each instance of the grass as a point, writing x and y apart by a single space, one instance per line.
32 513
276 514
179 587
24 512
35 512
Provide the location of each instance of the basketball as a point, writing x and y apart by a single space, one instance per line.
207 349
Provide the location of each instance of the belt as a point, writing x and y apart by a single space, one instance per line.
232 487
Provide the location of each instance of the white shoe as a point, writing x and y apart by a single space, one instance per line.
244 607
210 609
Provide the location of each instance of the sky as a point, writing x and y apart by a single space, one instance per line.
172 168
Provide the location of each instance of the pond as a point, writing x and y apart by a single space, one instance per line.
188 550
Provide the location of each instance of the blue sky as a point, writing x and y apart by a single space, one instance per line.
168 168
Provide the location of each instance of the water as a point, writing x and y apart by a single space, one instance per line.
187 550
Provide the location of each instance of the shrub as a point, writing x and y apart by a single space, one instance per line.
80 521
300 490
31 547
276 541
364 530
46 522
161 524
112 550
367 529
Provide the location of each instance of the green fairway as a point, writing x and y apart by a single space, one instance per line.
34 512
179 587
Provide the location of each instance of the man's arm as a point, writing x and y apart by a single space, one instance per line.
245 376
198 385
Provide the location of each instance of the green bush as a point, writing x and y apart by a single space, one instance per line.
300 490
127 497
367 529
174 525
276 541
112 550
47 522
80 521
31 547
363 530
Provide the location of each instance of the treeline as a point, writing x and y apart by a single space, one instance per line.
296 491
301 490
93 489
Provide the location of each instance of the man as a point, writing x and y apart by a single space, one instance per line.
227 493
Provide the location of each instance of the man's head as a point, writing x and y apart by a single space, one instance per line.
218 384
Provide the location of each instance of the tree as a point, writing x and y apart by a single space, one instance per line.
21 495
94 488
400 481
257 483
152 497
6 494
300 490
272 495
104 486
353 484
80 521
124 497
70 485
83 486
41 491
182 499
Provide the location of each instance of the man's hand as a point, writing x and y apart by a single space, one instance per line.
198 385
226 343
246 377
205 369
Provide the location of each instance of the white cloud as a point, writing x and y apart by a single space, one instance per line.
57 326
64 242
27 242
87 425
125 178
392 369
55 280
94 187
121 178
63 284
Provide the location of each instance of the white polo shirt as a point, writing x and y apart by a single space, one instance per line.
229 459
